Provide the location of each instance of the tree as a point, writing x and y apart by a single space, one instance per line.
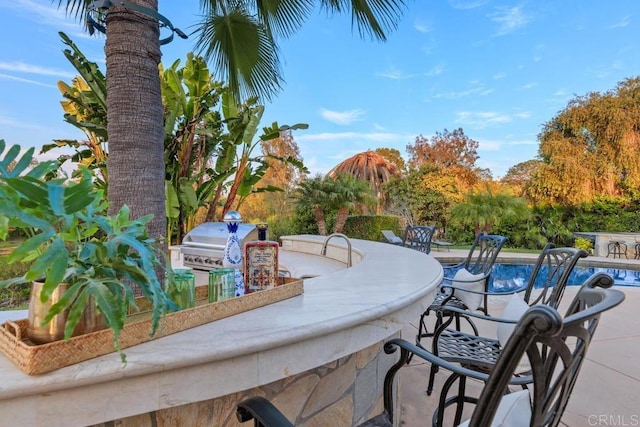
347 193
311 195
394 156
369 167
518 176
424 196
332 196
444 149
236 39
452 153
262 204
591 148
522 172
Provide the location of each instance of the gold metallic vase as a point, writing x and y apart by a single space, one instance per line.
92 319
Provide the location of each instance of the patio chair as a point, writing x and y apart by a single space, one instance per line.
555 348
418 237
472 274
546 286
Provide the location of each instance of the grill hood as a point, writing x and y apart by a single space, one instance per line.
213 235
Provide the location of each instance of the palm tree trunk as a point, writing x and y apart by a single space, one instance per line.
134 114
322 224
341 219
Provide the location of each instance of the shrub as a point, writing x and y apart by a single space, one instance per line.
586 244
369 227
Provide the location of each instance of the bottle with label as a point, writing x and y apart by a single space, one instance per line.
261 262
232 257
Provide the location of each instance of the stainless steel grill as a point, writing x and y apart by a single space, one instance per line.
203 247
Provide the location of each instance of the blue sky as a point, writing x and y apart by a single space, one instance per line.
498 69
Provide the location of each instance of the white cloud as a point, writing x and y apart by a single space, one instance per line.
509 19
466 4
46 14
395 74
499 76
489 145
342 117
381 137
436 70
11 122
522 142
528 86
482 119
522 115
422 26
605 71
475 91
21 80
21 67
625 21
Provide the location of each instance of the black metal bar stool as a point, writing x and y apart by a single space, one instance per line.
617 249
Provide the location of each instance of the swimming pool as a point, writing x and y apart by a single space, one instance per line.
506 277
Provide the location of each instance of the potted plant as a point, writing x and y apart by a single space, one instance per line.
73 242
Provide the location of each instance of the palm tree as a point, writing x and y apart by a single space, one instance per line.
371 167
237 35
348 193
312 194
484 209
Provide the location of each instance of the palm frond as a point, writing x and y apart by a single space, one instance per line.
373 17
75 8
281 18
242 53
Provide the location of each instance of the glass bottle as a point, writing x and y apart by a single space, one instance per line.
261 262
232 257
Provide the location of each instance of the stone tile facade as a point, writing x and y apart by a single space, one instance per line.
345 392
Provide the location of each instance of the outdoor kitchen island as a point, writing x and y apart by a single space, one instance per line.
318 356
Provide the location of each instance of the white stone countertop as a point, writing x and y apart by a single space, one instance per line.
342 311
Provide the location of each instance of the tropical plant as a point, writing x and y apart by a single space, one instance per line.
484 209
201 158
241 43
237 150
85 107
346 194
72 241
193 137
311 195
327 196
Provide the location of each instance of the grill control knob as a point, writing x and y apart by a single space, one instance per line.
198 260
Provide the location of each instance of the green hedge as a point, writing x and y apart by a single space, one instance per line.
369 227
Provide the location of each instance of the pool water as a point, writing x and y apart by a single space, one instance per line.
506 277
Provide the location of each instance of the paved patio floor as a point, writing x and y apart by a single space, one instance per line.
608 390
